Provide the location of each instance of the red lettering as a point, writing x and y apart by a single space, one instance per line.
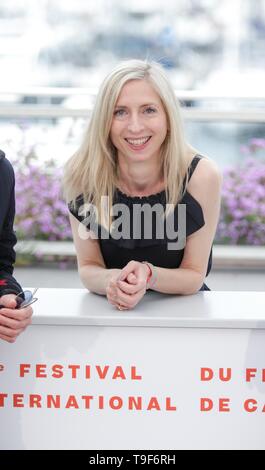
101 402
23 369
18 400
57 371
102 373
35 401
250 405
134 375
73 368
135 402
227 377
206 373
41 371
223 404
118 373
71 402
206 404
87 399
53 401
2 399
87 372
153 403
250 373
169 407
112 404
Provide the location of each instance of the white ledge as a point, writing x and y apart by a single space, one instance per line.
219 309
224 256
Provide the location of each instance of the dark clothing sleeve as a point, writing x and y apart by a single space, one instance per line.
8 239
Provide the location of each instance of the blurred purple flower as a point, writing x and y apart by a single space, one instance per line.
41 212
242 218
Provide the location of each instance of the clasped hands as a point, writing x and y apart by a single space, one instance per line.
12 320
126 288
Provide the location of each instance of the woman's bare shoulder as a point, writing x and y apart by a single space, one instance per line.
206 180
206 169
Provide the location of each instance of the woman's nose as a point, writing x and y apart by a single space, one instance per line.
135 124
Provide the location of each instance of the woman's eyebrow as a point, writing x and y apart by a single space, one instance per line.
141 106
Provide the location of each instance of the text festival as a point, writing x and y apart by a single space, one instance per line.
104 373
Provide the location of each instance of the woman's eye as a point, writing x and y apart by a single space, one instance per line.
119 112
122 112
150 110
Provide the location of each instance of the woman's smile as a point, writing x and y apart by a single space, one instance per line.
138 144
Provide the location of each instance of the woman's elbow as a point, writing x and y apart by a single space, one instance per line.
84 275
196 284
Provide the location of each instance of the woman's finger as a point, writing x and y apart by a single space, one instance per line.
129 268
129 288
124 298
121 306
112 295
131 278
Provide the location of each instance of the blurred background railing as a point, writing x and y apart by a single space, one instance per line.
199 106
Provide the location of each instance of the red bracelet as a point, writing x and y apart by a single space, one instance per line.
152 277
150 272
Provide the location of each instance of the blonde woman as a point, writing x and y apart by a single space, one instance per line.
134 161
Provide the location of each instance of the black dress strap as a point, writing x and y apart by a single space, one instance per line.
193 165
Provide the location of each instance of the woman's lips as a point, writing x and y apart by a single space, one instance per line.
138 146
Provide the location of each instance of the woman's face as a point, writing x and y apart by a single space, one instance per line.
139 124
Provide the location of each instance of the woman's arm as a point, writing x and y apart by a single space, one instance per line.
205 186
91 267
96 279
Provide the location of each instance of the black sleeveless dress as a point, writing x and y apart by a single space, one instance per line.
118 252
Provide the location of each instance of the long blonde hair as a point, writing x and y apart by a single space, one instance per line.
92 170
